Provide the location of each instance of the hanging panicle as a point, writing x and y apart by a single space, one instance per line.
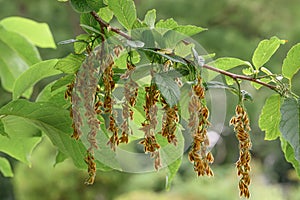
169 121
148 127
108 103
241 125
130 94
198 124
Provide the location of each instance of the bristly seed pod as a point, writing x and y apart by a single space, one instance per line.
198 124
241 125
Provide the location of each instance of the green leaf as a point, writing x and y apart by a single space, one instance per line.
14 57
34 74
219 85
265 50
173 58
184 101
84 6
165 25
80 45
188 30
23 137
23 48
63 81
106 14
5 167
121 61
2 131
56 97
172 171
183 50
248 71
179 33
291 64
270 117
89 21
289 124
225 64
125 12
60 157
171 155
229 80
258 86
37 33
89 28
70 64
290 155
168 88
53 121
150 18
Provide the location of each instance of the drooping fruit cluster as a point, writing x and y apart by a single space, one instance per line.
92 92
130 93
198 124
241 125
90 161
170 120
149 125
109 86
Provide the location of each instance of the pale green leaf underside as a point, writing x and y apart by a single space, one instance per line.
270 117
265 50
291 64
37 33
34 74
125 12
5 168
289 124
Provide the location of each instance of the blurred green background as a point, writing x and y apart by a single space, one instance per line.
235 28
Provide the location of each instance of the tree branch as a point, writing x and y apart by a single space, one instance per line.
237 76
226 73
105 24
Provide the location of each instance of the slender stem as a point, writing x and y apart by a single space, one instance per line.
239 91
242 77
226 73
105 24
